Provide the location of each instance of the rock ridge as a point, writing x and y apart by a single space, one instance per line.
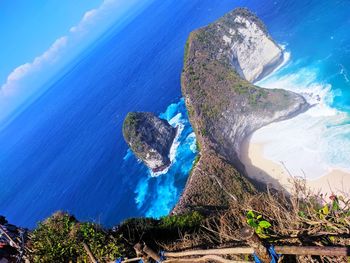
221 61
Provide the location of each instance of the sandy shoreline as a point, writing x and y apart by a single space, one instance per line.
262 169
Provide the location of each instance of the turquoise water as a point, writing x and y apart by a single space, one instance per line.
318 141
66 151
156 193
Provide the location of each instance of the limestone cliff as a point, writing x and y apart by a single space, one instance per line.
247 44
150 138
224 107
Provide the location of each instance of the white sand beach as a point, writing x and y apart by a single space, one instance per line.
276 174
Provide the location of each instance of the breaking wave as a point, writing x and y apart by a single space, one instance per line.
315 142
157 193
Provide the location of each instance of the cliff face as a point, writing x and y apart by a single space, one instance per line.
150 138
247 44
224 107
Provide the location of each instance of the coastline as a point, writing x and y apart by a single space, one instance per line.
230 114
263 170
275 174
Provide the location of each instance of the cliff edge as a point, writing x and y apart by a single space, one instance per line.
221 60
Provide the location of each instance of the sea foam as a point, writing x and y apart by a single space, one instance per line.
315 142
157 193
176 122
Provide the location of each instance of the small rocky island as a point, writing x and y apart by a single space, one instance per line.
150 138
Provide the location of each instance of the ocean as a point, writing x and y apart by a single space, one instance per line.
317 142
65 151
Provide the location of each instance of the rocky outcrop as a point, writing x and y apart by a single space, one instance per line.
224 106
150 138
247 44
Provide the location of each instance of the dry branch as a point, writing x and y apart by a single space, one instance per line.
248 234
88 251
151 253
286 250
219 251
12 242
313 250
203 259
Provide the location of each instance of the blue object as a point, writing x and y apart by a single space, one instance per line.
162 257
120 260
273 254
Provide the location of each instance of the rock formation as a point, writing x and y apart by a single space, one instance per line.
248 45
224 106
150 138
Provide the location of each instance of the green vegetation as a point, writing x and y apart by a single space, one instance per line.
131 119
167 223
129 125
187 221
273 217
253 99
260 226
240 88
187 45
257 96
60 239
276 219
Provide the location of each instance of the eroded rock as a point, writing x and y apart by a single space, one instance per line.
150 138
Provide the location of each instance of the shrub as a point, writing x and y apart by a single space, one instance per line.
187 221
186 50
60 239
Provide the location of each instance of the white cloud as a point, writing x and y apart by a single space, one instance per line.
27 78
92 15
88 16
49 56
14 80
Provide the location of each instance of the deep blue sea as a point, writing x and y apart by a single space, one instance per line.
65 151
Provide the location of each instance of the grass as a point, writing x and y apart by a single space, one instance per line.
303 218
129 125
187 221
60 239
187 45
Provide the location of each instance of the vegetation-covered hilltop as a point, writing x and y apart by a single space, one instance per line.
224 107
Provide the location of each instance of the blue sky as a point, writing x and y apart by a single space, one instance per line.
40 37
28 28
